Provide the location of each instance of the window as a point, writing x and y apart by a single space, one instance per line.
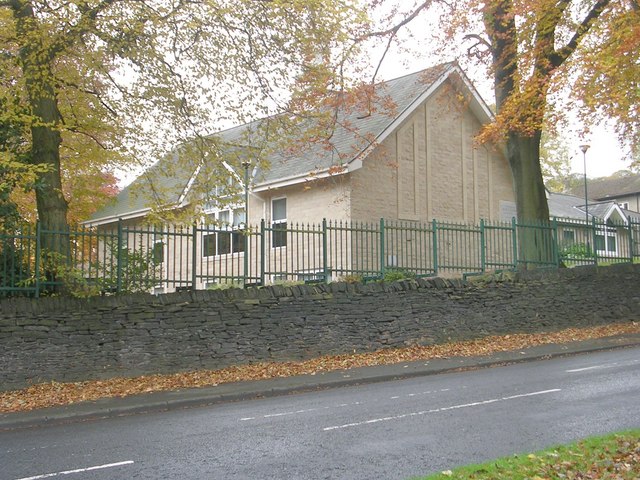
606 242
158 247
225 236
209 245
625 205
279 222
568 236
158 253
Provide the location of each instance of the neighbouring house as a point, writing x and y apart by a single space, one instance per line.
409 157
622 187
603 229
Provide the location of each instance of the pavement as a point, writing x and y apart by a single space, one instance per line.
229 392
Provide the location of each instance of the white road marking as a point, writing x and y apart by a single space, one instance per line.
297 412
603 366
585 369
283 414
78 470
428 392
436 410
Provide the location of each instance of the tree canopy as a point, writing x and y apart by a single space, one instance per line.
89 86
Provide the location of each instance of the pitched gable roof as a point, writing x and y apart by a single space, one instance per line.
351 140
562 205
567 206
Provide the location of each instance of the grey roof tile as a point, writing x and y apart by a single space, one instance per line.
166 180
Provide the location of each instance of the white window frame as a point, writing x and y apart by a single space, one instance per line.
230 227
279 221
608 232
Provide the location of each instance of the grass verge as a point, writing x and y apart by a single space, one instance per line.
615 456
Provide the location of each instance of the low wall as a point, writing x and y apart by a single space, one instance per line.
71 339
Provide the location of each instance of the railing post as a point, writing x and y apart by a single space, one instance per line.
630 240
194 259
556 246
38 255
483 246
262 252
593 236
119 258
325 268
434 235
382 247
514 240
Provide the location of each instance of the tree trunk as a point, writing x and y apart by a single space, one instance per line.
37 59
535 237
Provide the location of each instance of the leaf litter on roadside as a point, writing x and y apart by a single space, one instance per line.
53 393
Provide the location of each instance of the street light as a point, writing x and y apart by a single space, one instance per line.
584 147
246 164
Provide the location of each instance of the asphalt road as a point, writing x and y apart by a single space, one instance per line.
391 430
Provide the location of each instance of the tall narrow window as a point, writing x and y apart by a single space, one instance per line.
158 249
158 252
279 222
238 236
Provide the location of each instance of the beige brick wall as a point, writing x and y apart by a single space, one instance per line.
310 202
432 168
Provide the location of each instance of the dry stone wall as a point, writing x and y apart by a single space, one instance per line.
65 339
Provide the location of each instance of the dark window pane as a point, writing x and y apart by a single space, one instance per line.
224 243
568 236
599 242
209 245
158 252
279 237
238 241
611 244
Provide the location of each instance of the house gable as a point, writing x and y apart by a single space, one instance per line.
378 133
430 167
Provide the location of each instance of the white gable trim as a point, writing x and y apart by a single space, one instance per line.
615 208
306 177
190 183
477 105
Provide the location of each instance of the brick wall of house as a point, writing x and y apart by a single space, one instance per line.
432 168
306 202
65 339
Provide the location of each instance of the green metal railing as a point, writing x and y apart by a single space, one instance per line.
128 258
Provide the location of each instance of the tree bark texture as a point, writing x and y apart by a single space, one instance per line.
37 60
37 57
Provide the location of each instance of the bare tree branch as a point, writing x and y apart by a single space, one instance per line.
562 54
394 30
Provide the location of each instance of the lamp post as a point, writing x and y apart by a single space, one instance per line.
584 147
246 164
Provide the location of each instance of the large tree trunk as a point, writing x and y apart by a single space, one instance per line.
37 60
535 237
523 154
